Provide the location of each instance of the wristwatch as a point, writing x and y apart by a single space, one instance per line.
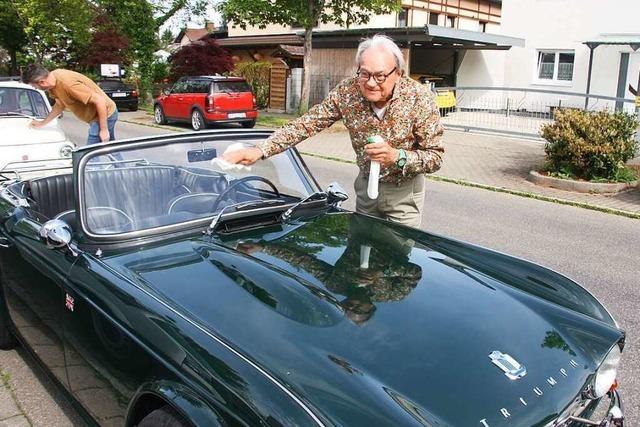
402 158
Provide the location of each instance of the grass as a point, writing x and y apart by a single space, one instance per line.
273 120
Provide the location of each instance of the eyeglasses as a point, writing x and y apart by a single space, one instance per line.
364 76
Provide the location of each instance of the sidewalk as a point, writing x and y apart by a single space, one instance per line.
489 161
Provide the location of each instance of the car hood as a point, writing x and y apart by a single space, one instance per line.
16 131
375 323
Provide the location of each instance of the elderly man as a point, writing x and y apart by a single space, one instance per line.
378 101
80 95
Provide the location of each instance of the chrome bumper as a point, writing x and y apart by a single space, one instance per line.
614 417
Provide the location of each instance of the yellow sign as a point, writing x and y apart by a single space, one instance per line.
638 101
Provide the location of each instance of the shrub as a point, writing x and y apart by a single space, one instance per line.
257 75
202 57
590 145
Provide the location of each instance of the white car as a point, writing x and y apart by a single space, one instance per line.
22 147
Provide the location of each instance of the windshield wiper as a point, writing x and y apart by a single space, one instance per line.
317 195
252 204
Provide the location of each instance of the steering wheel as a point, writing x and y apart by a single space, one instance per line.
237 183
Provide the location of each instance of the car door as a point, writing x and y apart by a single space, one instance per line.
184 100
32 278
170 104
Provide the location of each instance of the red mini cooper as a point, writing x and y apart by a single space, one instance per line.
204 100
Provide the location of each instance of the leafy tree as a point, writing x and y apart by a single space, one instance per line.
308 14
107 45
12 36
201 57
166 38
55 30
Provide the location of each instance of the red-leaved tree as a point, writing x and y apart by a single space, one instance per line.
107 46
203 57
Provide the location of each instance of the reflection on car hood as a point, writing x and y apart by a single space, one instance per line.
379 324
16 131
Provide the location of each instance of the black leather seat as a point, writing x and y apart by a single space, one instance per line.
52 194
140 192
197 180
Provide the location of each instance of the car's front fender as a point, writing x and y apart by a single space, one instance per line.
184 400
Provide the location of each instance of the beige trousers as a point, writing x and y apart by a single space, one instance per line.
401 203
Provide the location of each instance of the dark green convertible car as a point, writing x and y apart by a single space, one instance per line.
162 286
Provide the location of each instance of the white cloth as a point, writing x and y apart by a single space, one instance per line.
224 165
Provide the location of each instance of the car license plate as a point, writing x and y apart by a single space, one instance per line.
119 94
237 115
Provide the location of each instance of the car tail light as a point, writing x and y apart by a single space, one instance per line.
255 103
209 104
134 93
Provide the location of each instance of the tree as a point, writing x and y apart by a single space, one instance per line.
55 30
166 38
12 36
200 58
308 14
107 45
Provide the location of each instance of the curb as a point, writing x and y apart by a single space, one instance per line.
579 186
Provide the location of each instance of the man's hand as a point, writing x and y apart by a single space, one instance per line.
104 135
36 124
381 152
246 156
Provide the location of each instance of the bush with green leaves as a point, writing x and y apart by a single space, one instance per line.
590 145
257 75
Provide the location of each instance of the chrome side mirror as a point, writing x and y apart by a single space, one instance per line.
57 234
336 194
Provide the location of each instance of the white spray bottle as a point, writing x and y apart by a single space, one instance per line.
374 171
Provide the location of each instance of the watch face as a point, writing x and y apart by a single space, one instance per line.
401 162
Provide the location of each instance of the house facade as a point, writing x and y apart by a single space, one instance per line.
561 36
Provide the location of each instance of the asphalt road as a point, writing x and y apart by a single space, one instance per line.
601 251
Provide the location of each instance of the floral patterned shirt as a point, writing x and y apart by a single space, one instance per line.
411 122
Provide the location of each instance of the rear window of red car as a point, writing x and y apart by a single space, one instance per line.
231 87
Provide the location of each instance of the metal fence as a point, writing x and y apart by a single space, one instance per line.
518 111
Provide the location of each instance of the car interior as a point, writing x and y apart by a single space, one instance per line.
163 195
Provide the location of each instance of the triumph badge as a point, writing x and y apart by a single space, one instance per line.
510 366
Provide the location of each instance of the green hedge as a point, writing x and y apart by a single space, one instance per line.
590 145
257 75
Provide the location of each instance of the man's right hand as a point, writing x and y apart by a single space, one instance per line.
36 124
246 156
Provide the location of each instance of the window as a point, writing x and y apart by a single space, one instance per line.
451 21
403 17
433 18
555 66
482 26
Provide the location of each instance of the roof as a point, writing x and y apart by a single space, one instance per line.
192 34
617 39
11 82
432 36
262 40
289 51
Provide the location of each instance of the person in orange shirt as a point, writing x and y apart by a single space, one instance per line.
80 95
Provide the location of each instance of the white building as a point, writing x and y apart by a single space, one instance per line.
556 54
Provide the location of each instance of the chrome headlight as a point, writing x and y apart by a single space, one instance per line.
606 374
65 151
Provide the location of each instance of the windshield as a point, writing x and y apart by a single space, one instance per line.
22 101
151 186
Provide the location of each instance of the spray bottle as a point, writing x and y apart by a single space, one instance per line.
374 171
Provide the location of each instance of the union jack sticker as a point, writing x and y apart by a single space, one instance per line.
69 302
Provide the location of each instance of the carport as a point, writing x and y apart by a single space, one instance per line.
631 40
431 50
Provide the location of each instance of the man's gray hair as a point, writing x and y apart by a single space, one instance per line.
34 72
384 42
